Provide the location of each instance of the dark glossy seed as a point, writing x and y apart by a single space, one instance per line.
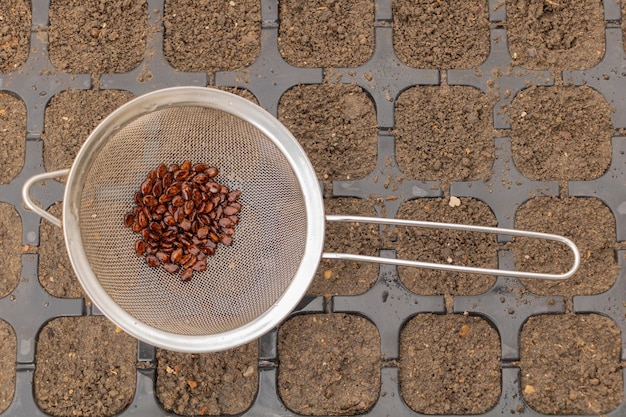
214 237
136 227
161 209
234 195
194 250
129 219
162 256
186 165
142 220
190 262
212 172
138 199
146 186
199 167
173 190
181 175
150 201
152 260
156 227
171 268
177 255
203 232
165 199
157 189
189 207
161 171
230 210
199 266
140 247
173 167
186 275
201 178
178 201
185 224
179 214
168 179
152 175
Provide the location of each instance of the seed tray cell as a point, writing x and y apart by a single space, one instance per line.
517 121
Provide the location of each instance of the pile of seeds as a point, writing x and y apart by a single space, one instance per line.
182 214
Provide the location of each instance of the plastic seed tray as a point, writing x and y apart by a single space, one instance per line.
388 304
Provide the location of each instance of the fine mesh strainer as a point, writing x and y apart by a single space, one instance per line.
249 287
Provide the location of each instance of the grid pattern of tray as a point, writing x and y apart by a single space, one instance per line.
387 304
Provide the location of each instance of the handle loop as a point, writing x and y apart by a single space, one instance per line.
29 202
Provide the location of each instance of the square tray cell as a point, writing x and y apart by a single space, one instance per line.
210 35
337 277
589 223
444 134
8 356
336 125
556 34
97 37
56 274
326 33
70 118
10 248
15 21
561 133
446 246
441 34
222 383
449 364
575 370
12 136
329 364
85 366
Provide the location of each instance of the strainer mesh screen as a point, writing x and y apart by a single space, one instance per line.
242 281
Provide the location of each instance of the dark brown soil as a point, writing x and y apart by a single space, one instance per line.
329 364
212 36
547 34
15 20
337 277
561 133
70 118
575 370
222 383
7 364
589 224
444 134
326 33
10 248
336 125
55 270
12 136
85 366
427 33
97 36
449 364
446 247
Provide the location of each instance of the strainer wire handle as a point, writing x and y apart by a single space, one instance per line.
455 268
31 204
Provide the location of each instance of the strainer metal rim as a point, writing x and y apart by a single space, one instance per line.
289 147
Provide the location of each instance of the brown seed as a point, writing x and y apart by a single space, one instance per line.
178 201
173 190
234 218
199 167
140 247
177 255
171 268
226 240
234 195
179 214
129 219
165 199
199 266
186 275
168 179
161 209
156 227
192 260
194 250
173 167
138 199
213 188
186 165
203 232
161 171
212 172
226 222
228 231
157 189
162 256
153 261
142 220
230 210
201 178
152 175
146 186
189 207
185 224
150 201
136 227
181 175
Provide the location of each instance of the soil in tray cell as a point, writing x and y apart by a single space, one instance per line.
329 364
336 125
15 21
221 383
444 134
97 36
326 33
546 34
575 370
561 133
10 248
212 35
338 277
12 136
449 364
85 366
70 118
588 223
441 34
8 349
446 246
55 270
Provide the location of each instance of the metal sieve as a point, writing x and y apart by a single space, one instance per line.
248 288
